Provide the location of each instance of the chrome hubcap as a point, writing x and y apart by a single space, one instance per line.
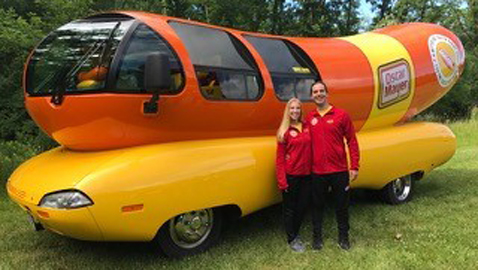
402 187
191 229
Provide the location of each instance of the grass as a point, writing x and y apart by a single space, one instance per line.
436 230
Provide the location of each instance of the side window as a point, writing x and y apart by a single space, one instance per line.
291 69
131 68
224 67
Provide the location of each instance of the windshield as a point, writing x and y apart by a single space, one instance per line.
75 57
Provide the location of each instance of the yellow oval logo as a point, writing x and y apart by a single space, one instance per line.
445 59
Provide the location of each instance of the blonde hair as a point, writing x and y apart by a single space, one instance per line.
284 125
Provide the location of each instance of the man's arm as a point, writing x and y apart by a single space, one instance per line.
349 133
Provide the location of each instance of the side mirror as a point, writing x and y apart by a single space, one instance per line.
157 77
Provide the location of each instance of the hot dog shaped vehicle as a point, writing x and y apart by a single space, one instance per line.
167 125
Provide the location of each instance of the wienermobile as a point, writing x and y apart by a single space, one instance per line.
167 125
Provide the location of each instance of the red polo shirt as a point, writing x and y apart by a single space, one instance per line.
328 146
294 155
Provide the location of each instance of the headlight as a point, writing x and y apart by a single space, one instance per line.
65 200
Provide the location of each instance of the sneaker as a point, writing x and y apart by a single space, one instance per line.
318 244
296 245
344 243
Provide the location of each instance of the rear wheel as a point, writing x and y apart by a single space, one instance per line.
191 232
399 190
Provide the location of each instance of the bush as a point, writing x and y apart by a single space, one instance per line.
459 102
13 154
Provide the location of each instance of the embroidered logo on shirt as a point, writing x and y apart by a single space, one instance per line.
306 130
330 121
293 133
287 157
314 121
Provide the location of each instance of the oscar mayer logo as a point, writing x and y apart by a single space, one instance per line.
445 58
394 83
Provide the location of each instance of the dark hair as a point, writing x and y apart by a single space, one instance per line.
318 82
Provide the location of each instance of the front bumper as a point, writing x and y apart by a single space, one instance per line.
76 223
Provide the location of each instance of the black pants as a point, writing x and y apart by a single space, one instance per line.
295 202
339 182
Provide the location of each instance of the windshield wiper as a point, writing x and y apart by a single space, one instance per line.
66 75
55 79
59 82
107 47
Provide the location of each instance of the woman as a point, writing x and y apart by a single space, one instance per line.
293 168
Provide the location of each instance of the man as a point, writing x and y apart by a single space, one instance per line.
329 126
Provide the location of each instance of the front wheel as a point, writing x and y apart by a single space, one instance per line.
399 190
190 233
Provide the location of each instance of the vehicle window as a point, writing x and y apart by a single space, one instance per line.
76 57
224 67
284 87
289 87
227 85
291 69
145 41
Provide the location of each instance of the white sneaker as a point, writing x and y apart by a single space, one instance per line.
296 245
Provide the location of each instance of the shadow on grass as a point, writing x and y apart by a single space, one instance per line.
251 227
447 183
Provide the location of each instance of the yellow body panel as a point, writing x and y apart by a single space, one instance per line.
382 49
174 178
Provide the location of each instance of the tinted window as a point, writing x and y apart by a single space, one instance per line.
210 47
228 85
143 42
224 67
287 87
292 71
277 55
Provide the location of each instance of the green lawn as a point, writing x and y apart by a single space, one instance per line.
438 228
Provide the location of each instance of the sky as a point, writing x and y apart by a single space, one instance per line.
365 14
365 9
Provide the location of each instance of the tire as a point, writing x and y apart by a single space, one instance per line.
398 191
190 233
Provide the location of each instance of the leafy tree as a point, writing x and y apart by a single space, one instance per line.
313 18
55 13
277 8
248 15
21 8
382 8
17 36
461 17
22 25
348 21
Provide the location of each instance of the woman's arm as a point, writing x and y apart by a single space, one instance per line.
280 166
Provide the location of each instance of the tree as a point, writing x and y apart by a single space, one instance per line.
322 18
22 26
108 5
461 17
348 21
276 17
382 7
